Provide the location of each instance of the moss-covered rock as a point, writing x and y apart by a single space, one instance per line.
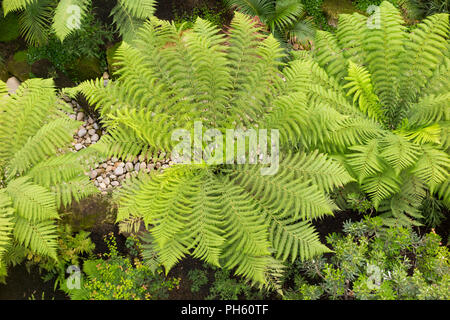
85 69
18 66
9 27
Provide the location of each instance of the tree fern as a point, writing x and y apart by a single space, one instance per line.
38 173
393 87
228 215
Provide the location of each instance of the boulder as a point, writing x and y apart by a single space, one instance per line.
18 66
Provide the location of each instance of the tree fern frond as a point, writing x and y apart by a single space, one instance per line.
293 238
6 222
31 201
432 166
34 21
66 12
38 236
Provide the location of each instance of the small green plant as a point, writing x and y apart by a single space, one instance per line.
198 278
87 42
118 278
228 287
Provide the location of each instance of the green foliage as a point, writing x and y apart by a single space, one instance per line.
118 278
216 16
364 4
38 18
38 174
285 19
230 216
9 25
198 278
388 85
72 249
314 9
375 262
419 9
227 287
87 42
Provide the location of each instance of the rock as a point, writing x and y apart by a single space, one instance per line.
93 174
118 171
91 132
142 166
137 166
90 120
106 181
121 164
100 179
84 68
114 159
129 166
87 141
82 132
18 66
12 84
115 183
109 168
102 185
112 177
94 137
80 116
95 125
78 146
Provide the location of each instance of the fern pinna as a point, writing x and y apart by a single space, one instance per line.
392 86
37 172
66 16
228 215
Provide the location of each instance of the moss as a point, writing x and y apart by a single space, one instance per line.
18 66
84 69
20 56
9 27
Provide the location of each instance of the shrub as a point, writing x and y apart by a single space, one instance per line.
375 262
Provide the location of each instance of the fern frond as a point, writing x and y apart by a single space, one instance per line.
31 201
39 236
66 13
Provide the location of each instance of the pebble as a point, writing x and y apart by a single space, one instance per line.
78 146
91 132
82 132
80 116
118 171
93 174
94 137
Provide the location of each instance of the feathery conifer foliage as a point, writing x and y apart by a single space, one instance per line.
228 215
393 87
37 176
65 16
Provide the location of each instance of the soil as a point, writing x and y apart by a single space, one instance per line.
184 292
23 285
